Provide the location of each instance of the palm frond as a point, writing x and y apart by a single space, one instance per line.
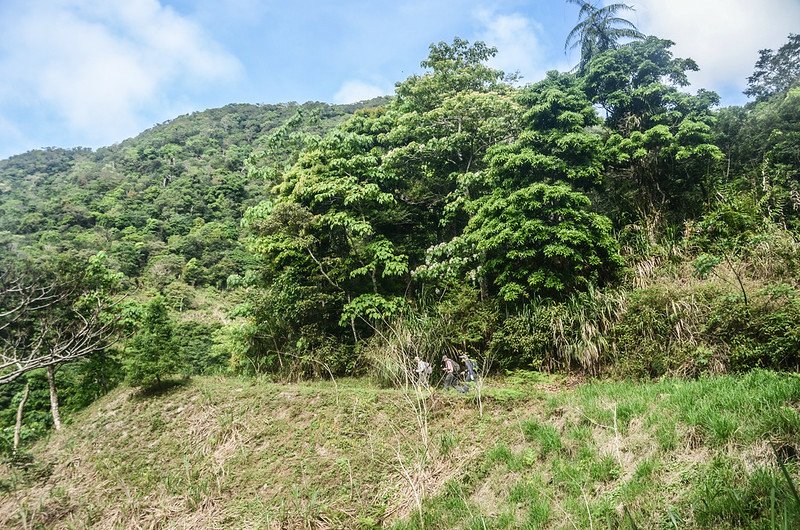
579 28
613 8
622 22
598 29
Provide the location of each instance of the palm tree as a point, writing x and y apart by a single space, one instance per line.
598 29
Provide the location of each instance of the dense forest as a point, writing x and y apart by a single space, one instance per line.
603 221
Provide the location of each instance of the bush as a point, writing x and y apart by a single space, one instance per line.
762 334
659 331
706 328
179 296
152 353
524 340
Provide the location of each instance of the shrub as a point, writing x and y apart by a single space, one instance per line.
457 323
659 331
550 336
152 353
762 334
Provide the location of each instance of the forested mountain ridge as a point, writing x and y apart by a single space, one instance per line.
164 210
146 189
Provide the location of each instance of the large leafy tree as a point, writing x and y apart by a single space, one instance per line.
541 240
599 29
776 71
762 138
444 122
660 153
531 231
357 210
53 313
764 143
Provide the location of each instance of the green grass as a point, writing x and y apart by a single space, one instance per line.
238 452
545 436
668 454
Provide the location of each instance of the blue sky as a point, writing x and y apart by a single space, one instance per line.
94 72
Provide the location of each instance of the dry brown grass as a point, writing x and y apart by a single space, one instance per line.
218 453
227 453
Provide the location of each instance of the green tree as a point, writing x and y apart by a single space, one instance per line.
660 154
54 312
767 146
541 240
775 72
762 139
599 29
152 353
531 233
360 206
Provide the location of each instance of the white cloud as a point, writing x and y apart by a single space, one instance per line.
723 36
98 65
518 41
353 91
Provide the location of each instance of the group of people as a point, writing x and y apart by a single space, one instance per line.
456 376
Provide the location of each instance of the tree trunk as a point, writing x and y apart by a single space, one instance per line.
51 380
18 424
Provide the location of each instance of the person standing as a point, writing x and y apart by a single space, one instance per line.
423 370
469 368
452 373
449 372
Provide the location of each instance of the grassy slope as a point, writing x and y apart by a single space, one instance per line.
223 452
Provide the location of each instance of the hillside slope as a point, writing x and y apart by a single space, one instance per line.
239 453
176 191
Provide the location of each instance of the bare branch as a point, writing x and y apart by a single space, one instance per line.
43 326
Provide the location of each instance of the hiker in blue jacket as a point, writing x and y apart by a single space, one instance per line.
469 368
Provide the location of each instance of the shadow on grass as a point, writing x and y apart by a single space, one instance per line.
162 388
20 470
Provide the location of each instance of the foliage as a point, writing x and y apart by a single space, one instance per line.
707 329
194 341
55 310
599 29
540 240
153 353
575 333
775 72
353 216
523 213
660 152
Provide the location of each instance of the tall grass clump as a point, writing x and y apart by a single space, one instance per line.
390 353
456 323
573 334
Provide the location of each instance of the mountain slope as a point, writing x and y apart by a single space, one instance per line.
129 199
237 453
